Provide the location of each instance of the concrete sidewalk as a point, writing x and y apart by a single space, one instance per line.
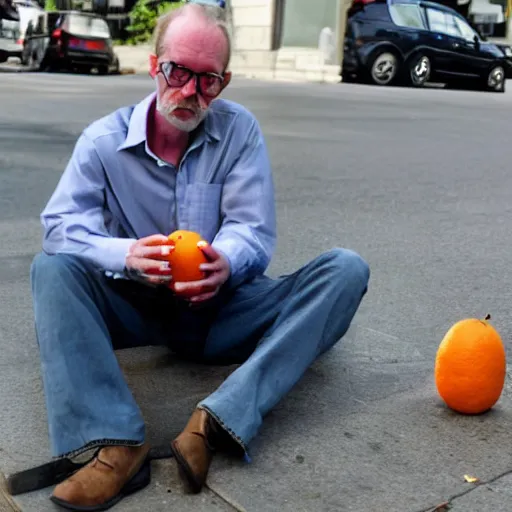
387 444
365 429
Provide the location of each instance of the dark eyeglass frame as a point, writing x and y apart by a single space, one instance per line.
171 65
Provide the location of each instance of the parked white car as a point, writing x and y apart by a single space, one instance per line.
10 46
14 19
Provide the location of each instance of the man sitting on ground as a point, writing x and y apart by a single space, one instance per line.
180 159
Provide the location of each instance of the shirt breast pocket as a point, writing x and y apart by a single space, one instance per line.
202 206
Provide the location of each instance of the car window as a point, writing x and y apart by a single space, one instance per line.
442 22
86 26
53 18
407 15
39 26
376 11
27 14
466 31
9 29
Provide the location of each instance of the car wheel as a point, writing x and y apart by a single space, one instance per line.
495 80
419 70
384 68
24 56
4 56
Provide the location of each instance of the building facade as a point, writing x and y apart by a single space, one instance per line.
288 35
308 34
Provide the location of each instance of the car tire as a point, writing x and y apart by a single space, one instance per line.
419 69
117 66
4 56
383 67
494 80
24 57
349 78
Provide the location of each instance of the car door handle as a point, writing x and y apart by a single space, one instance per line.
455 45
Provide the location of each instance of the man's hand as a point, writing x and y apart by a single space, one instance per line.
217 273
146 260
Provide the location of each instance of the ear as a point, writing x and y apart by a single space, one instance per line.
153 65
227 79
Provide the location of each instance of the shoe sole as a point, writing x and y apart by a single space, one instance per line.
184 471
139 481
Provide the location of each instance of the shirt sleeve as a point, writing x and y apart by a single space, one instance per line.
73 219
247 235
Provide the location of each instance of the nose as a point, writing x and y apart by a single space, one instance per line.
189 89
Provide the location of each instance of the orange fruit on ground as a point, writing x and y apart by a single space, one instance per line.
186 256
470 366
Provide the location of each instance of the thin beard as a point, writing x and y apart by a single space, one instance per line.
188 126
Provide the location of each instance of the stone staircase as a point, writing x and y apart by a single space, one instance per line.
291 64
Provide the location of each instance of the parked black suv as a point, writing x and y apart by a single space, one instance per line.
415 41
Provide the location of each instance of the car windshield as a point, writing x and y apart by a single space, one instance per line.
86 26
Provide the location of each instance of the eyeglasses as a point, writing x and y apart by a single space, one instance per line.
208 84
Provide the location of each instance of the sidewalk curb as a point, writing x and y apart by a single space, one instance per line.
7 504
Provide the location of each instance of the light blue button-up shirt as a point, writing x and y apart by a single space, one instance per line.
114 190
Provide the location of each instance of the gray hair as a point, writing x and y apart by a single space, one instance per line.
214 15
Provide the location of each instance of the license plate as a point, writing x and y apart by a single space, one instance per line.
86 45
94 45
75 44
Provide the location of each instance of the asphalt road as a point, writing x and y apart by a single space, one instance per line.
418 182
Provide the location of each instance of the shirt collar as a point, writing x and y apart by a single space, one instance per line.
137 124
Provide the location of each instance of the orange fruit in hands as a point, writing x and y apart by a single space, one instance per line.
470 366
186 256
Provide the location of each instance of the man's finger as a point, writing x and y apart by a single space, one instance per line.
208 251
154 240
153 279
203 297
203 286
157 252
148 266
213 266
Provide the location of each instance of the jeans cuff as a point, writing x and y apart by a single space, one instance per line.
226 429
96 444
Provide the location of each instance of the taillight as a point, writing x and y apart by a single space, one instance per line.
57 33
20 42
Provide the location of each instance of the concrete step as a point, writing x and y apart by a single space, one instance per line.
290 75
13 68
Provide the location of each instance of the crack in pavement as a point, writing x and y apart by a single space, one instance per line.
448 502
225 498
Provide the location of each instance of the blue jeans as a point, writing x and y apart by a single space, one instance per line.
275 327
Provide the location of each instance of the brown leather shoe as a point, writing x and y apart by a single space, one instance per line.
194 449
114 473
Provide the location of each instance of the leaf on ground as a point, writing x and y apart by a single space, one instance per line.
442 507
471 479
